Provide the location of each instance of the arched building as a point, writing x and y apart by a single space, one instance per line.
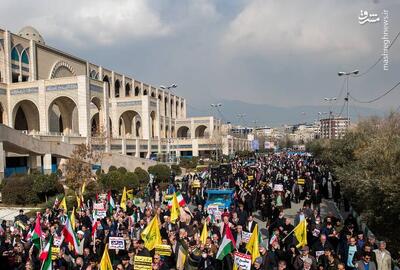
57 96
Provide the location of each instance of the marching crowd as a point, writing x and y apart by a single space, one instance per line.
174 229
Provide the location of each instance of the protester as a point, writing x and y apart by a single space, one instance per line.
173 228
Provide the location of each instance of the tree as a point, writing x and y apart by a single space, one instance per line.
18 190
46 185
142 176
366 163
176 169
79 166
160 172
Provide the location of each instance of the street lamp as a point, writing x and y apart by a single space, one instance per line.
346 99
217 106
169 87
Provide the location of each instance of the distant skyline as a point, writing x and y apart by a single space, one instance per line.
278 52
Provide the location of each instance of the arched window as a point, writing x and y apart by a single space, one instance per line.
15 54
145 92
117 85
25 58
105 79
137 91
127 90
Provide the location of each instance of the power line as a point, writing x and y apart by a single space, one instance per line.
379 59
378 97
342 109
340 92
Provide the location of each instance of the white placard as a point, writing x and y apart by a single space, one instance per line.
278 187
212 208
101 213
217 215
243 261
116 243
57 241
246 236
98 206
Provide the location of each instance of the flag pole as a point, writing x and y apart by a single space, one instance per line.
292 231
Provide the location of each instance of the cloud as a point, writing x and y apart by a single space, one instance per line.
270 27
101 22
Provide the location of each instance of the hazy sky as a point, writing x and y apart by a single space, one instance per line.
277 52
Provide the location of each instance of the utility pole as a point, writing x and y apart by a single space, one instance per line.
346 99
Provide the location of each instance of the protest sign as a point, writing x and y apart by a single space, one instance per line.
212 208
143 263
101 213
278 187
57 241
55 251
164 250
116 243
243 261
246 236
98 206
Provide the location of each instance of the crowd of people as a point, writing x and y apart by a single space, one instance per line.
262 189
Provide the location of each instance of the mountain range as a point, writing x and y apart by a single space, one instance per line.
273 116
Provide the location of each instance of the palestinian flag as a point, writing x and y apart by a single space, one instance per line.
37 233
179 197
111 203
94 227
227 245
45 256
69 235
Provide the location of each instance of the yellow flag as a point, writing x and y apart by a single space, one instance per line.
301 233
83 187
72 218
105 263
174 209
253 245
123 200
78 201
151 234
63 204
129 193
204 234
181 260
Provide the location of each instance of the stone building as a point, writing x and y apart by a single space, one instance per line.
55 96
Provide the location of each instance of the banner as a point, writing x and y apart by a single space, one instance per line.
243 261
98 206
300 181
57 241
101 214
164 250
250 177
246 236
278 187
143 263
196 184
55 251
116 243
212 208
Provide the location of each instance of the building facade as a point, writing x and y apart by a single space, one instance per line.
53 95
334 127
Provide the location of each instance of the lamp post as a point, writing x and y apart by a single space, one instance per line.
330 114
169 140
169 87
216 106
347 74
